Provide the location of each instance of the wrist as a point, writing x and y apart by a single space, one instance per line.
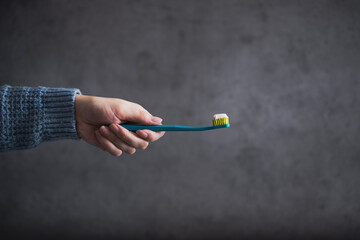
79 102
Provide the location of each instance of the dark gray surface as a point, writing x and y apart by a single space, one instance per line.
286 72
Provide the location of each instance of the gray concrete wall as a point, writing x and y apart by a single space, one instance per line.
286 72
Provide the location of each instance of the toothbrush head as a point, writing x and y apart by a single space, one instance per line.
220 119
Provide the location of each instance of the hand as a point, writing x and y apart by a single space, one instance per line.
92 113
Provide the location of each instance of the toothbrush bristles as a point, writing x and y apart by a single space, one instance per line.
220 119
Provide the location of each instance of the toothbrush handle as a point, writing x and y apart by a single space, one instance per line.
158 128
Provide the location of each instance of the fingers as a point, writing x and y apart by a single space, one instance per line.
137 114
106 145
117 139
150 136
123 135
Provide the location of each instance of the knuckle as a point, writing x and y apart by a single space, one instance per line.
121 131
123 134
141 109
137 107
143 114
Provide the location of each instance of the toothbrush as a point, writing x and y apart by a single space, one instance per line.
219 121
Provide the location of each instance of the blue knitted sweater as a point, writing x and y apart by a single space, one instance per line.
30 116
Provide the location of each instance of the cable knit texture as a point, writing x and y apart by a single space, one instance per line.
30 116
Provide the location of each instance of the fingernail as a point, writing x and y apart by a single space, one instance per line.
104 131
142 134
156 119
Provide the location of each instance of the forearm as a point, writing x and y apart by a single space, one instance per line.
30 116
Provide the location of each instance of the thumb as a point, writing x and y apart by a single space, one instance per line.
140 115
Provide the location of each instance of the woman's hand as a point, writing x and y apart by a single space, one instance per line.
93 113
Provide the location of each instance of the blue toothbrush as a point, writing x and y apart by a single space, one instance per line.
219 121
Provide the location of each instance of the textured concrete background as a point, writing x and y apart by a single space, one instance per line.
286 72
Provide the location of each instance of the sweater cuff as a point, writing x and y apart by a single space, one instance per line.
59 113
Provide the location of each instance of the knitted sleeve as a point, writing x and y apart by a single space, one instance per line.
30 116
